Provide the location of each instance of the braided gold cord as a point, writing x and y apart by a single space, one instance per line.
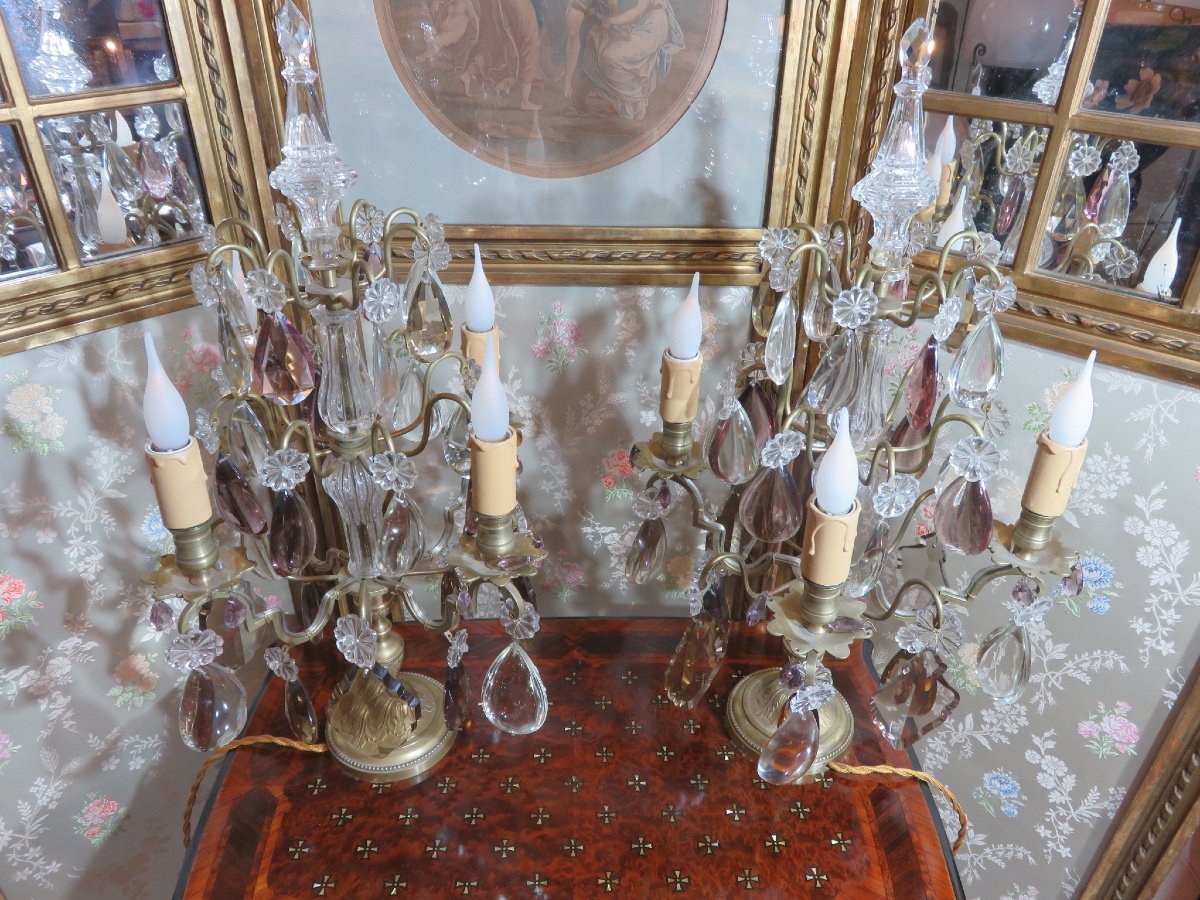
843 769
213 759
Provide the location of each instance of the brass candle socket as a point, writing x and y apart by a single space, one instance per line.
196 549
676 441
1032 533
494 536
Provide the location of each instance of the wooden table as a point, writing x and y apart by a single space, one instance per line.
620 792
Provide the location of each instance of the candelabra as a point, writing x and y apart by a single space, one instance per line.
322 416
825 475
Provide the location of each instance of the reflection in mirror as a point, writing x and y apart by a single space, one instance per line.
1125 214
985 171
1013 49
24 244
1148 63
71 46
127 178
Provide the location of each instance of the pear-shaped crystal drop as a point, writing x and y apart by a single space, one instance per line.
792 748
1067 213
299 712
754 400
454 698
235 358
1099 188
770 508
645 557
213 708
154 169
245 437
235 498
1112 213
455 440
513 697
732 451
409 397
386 376
905 435
430 327
963 517
868 566
293 534
818 320
283 368
780 352
403 540
979 366
1003 663
920 397
836 376
123 177
695 663
1010 206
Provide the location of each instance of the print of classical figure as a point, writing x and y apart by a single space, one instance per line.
623 48
507 53
453 32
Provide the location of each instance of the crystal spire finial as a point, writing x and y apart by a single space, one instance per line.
294 34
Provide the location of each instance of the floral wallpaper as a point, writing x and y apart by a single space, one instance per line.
89 755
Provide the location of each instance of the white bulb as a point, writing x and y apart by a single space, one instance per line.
166 415
955 221
687 328
489 403
109 217
947 142
1160 271
1073 416
480 305
124 136
837 478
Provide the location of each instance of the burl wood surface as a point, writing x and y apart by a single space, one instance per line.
620 792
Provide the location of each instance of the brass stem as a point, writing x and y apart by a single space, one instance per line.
494 536
195 548
677 440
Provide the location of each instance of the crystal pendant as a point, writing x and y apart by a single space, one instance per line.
346 397
403 539
410 398
154 169
454 701
770 508
905 435
1002 666
386 376
819 325
299 712
646 554
1011 205
963 517
235 358
283 368
872 537
780 352
802 474
359 501
869 404
235 498
513 697
790 753
979 366
696 661
162 616
245 437
754 400
455 440
1112 212
920 397
1067 213
836 377
293 534
732 452
914 698
1099 187
123 177
213 708
430 326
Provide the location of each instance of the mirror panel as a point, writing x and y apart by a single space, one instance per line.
25 246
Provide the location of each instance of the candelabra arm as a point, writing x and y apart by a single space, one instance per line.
425 383
302 428
908 517
919 583
929 444
231 248
427 420
240 225
984 577
450 617
700 517
381 438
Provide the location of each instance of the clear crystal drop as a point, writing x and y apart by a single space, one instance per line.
123 177
299 712
1067 213
732 452
283 368
212 710
430 326
235 498
454 700
403 539
695 663
1112 213
513 696
790 753
818 316
235 358
410 399
979 366
1003 663
913 699
455 440
836 377
646 554
758 406
920 397
293 534
385 374
770 507
245 437
870 402
963 517
780 352
868 565
154 169
346 397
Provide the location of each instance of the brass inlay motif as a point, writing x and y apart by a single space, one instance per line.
572 848
678 881
540 817
747 879
323 884
641 845
840 841
775 844
608 881
735 812
604 755
606 815
505 848
672 814
816 876
409 816
436 849
708 845
637 782
342 816
298 847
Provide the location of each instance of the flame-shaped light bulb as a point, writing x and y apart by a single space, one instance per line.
166 416
489 403
837 478
480 305
1073 416
1160 271
687 328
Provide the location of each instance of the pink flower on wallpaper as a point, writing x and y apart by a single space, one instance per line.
1088 729
12 589
571 573
541 347
558 339
617 463
98 811
1109 732
98 818
1120 730
203 357
6 746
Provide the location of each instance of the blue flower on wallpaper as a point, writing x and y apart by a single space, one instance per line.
999 793
1098 577
158 540
1097 574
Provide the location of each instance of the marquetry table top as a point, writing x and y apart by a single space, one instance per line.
619 792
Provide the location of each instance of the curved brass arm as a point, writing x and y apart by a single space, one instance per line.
232 224
920 583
